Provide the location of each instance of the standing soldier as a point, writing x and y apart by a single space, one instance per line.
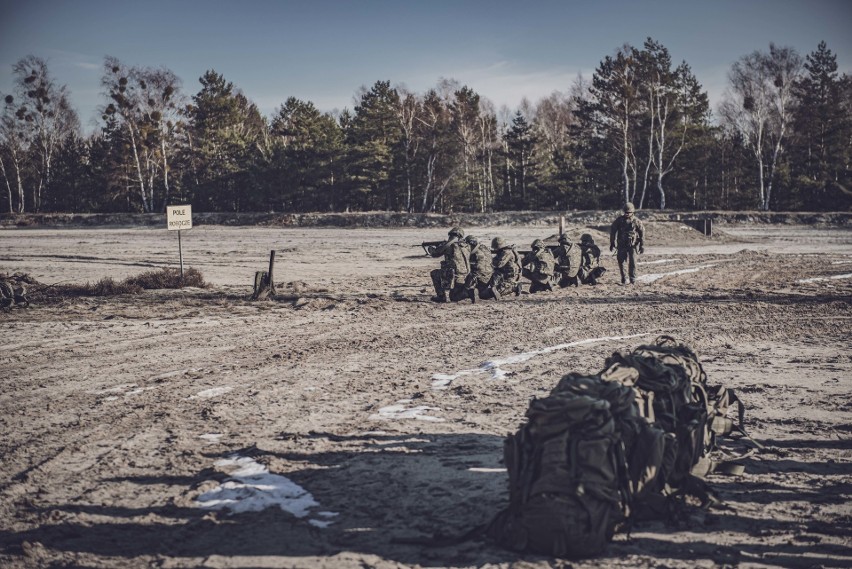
590 260
542 265
480 269
628 235
507 269
449 279
568 257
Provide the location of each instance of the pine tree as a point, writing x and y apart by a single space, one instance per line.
822 134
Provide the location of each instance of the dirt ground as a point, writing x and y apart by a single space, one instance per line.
195 428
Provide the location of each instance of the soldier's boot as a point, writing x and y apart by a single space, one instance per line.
442 296
496 293
473 294
519 288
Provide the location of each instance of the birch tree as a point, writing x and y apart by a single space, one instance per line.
14 144
47 118
758 104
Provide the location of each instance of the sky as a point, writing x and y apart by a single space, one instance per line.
324 51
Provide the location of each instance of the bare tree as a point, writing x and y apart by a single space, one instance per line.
758 105
553 118
13 144
46 112
147 104
408 113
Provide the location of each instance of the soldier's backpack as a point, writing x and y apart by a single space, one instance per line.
566 472
602 450
672 392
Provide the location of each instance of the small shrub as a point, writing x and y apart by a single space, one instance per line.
108 287
168 278
104 287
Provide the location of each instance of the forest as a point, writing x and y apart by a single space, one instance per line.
641 129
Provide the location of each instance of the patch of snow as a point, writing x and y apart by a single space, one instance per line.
402 411
657 276
479 469
658 262
495 367
208 393
252 488
832 277
212 437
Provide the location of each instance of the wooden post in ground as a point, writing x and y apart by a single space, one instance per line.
264 285
561 225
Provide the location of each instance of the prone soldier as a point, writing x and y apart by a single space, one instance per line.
450 278
627 234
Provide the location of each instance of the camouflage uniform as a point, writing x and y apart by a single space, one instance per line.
507 269
450 278
568 257
628 235
481 270
542 264
12 293
590 261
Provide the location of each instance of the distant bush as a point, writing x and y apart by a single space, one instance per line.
168 278
160 278
104 287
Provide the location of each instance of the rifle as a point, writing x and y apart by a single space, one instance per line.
552 249
427 245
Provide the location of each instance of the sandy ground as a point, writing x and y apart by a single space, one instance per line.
195 428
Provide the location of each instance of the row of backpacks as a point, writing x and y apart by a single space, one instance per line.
603 451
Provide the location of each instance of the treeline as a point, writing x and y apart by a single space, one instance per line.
641 130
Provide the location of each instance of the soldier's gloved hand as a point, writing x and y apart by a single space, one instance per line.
611 248
641 250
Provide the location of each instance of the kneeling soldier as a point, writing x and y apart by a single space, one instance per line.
568 257
481 270
450 278
507 269
541 267
590 265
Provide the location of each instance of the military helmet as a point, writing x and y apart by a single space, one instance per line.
587 238
629 208
498 243
456 232
471 240
538 244
564 238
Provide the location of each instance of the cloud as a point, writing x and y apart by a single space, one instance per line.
86 65
506 83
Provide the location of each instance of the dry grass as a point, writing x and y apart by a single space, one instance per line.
168 278
157 279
